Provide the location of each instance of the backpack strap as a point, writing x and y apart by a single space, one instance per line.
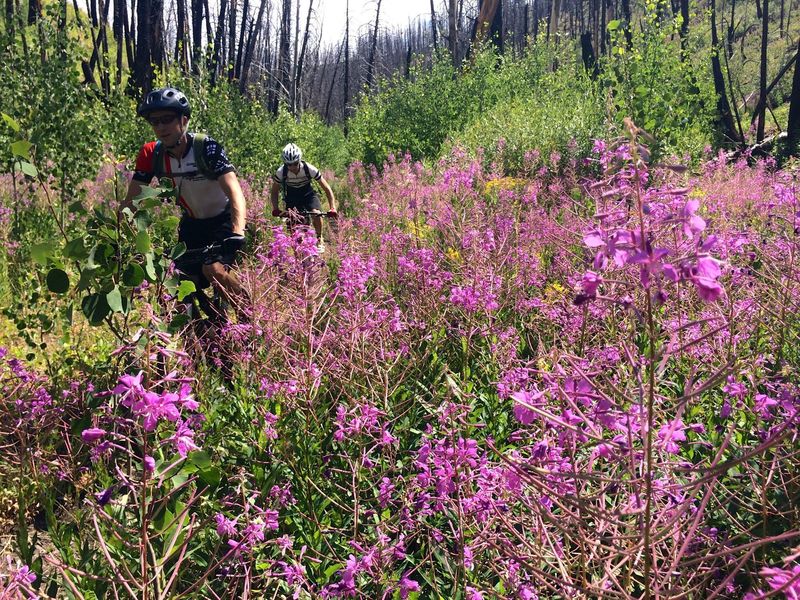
159 167
308 172
284 175
199 146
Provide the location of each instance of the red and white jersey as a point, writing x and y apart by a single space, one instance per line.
199 196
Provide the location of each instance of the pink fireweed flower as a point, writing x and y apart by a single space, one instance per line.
407 585
183 439
704 276
524 402
670 433
473 594
226 528
91 435
650 264
588 286
763 405
385 491
785 580
692 224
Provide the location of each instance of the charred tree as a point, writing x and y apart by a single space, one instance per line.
373 47
298 75
793 127
142 74
725 118
762 86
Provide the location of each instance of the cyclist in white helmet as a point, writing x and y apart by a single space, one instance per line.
294 177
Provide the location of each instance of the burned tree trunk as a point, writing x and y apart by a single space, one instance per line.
142 74
373 47
793 127
762 87
725 117
434 29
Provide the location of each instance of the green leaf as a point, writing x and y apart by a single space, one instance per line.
143 243
114 299
178 322
11 122
211 476
147 192
40 253
77 207
133 275
75 249
95 307
21 148
178 251
149 268
613 25
185 288
57 281
200 458
27 168
85 281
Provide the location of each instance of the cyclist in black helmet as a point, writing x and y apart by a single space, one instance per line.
208 189
295 177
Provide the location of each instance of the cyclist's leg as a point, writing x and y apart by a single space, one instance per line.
225 281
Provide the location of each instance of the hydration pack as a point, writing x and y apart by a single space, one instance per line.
198 144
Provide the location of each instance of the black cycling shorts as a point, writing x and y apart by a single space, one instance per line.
303 203
199 233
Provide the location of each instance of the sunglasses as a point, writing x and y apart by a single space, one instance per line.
165 120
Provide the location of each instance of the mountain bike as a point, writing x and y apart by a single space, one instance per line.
203 319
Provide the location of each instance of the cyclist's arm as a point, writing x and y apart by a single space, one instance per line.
328 193
273 195
230 185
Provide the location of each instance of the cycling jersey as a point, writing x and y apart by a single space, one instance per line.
199 196
297 186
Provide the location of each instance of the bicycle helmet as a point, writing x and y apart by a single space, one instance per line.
167 98
292 154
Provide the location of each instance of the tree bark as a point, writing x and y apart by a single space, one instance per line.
298 77
181 50
762 87
373 47
34 11
346 83
217 55
731 29
684 30
157 32
333 83
197 35
231 53
237 72
587 52
142 74
452 31
552 23
434 29
723 107
251 45
284 51
793 127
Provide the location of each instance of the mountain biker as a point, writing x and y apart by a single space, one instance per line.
207 188
295 177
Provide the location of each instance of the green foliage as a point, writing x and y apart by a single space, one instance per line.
564 120
671 96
